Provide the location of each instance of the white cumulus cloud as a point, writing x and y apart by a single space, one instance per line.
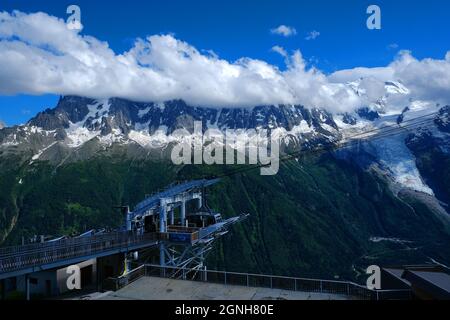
312 35
280 50
40 55
284 31
427 79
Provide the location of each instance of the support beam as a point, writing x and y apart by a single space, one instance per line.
27 286
129 218
162 228
162 254
162 217
183 212
171 217
126 263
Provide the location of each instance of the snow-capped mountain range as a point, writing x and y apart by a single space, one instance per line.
80 127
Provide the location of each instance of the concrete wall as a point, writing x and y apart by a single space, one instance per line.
62 276
54 282
50 282
41 284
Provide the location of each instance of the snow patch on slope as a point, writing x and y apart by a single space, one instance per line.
401 163
391 151
114 137
159 139
39 154
78 134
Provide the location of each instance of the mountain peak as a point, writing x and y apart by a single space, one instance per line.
80 128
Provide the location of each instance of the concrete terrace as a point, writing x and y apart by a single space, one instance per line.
153 288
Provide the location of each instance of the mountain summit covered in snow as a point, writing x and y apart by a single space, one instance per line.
78 128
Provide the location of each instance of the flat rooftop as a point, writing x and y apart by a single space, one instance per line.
438 279
153 288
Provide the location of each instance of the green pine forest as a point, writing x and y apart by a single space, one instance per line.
315 218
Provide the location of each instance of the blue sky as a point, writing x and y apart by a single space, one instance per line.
235 29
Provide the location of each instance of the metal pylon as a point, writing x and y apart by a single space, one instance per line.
186 257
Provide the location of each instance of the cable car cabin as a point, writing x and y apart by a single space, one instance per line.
203 219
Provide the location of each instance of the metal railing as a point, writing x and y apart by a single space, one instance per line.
345 288
22 249
114 284
182 229
21 257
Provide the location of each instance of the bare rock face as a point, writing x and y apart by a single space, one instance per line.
77 121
